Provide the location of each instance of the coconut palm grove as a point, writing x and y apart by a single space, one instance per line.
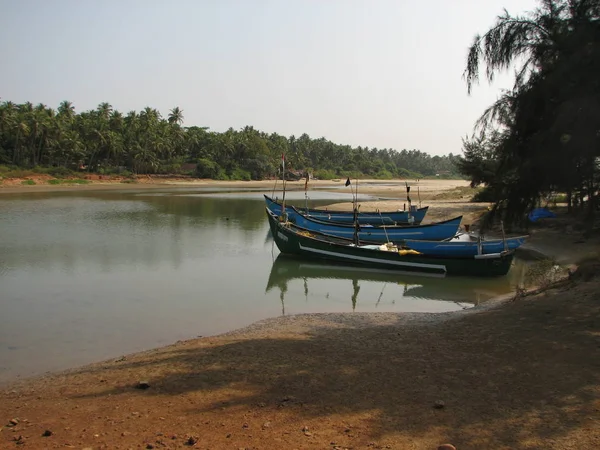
540 137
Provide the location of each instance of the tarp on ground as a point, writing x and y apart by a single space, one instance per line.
540 213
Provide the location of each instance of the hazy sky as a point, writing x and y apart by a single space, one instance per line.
374 73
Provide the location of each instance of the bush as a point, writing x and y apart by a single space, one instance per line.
240 174
76 181
28 182
59 172
324 174
209 169
486 195
405 173
383 175
70 181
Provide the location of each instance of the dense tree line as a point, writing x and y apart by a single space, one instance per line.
543 135
104 140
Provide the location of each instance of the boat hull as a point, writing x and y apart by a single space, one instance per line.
379 233
463 248
292 240
387 217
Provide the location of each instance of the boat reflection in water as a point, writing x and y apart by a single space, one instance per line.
323 279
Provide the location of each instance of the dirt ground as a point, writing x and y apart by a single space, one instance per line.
512 374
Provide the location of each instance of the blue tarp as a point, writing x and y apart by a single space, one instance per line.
540 213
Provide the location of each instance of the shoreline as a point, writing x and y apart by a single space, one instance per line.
243 387
278 324
15 186
360 380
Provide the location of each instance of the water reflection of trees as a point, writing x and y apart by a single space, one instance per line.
112 229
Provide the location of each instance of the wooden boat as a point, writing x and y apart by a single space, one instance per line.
411 216
456 247
300 241
378 233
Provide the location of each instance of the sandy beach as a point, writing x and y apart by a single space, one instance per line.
514 373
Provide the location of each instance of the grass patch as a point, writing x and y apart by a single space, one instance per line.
28 183
9 171
68 181
76 181
19 173
130 181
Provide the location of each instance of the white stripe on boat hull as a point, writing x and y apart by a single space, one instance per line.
374 260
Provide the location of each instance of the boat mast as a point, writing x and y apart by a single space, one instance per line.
283 212
410 215
356 225
306 193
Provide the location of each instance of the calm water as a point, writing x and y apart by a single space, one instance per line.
90 275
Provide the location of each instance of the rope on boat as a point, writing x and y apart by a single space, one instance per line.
384 229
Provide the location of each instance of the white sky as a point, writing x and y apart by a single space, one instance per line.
374 73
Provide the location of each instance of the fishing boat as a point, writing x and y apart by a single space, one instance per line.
378 233
463 247
296 240
412 215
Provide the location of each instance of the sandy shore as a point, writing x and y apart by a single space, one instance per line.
518 374
391 188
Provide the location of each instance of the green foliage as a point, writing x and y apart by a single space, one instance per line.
383 175
63 143
19 173
541 136
405 173
240 174
28 182
209 169
487 195
57 181
325 174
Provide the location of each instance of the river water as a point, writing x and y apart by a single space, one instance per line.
90 275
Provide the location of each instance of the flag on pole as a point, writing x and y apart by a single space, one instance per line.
348 182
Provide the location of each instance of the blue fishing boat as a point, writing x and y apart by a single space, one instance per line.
411 216
301 242
455 247
377 233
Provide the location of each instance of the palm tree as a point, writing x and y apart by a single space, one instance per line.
66 109
104 109
556 51
176 116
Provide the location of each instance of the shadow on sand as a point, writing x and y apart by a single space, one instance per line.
522 376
